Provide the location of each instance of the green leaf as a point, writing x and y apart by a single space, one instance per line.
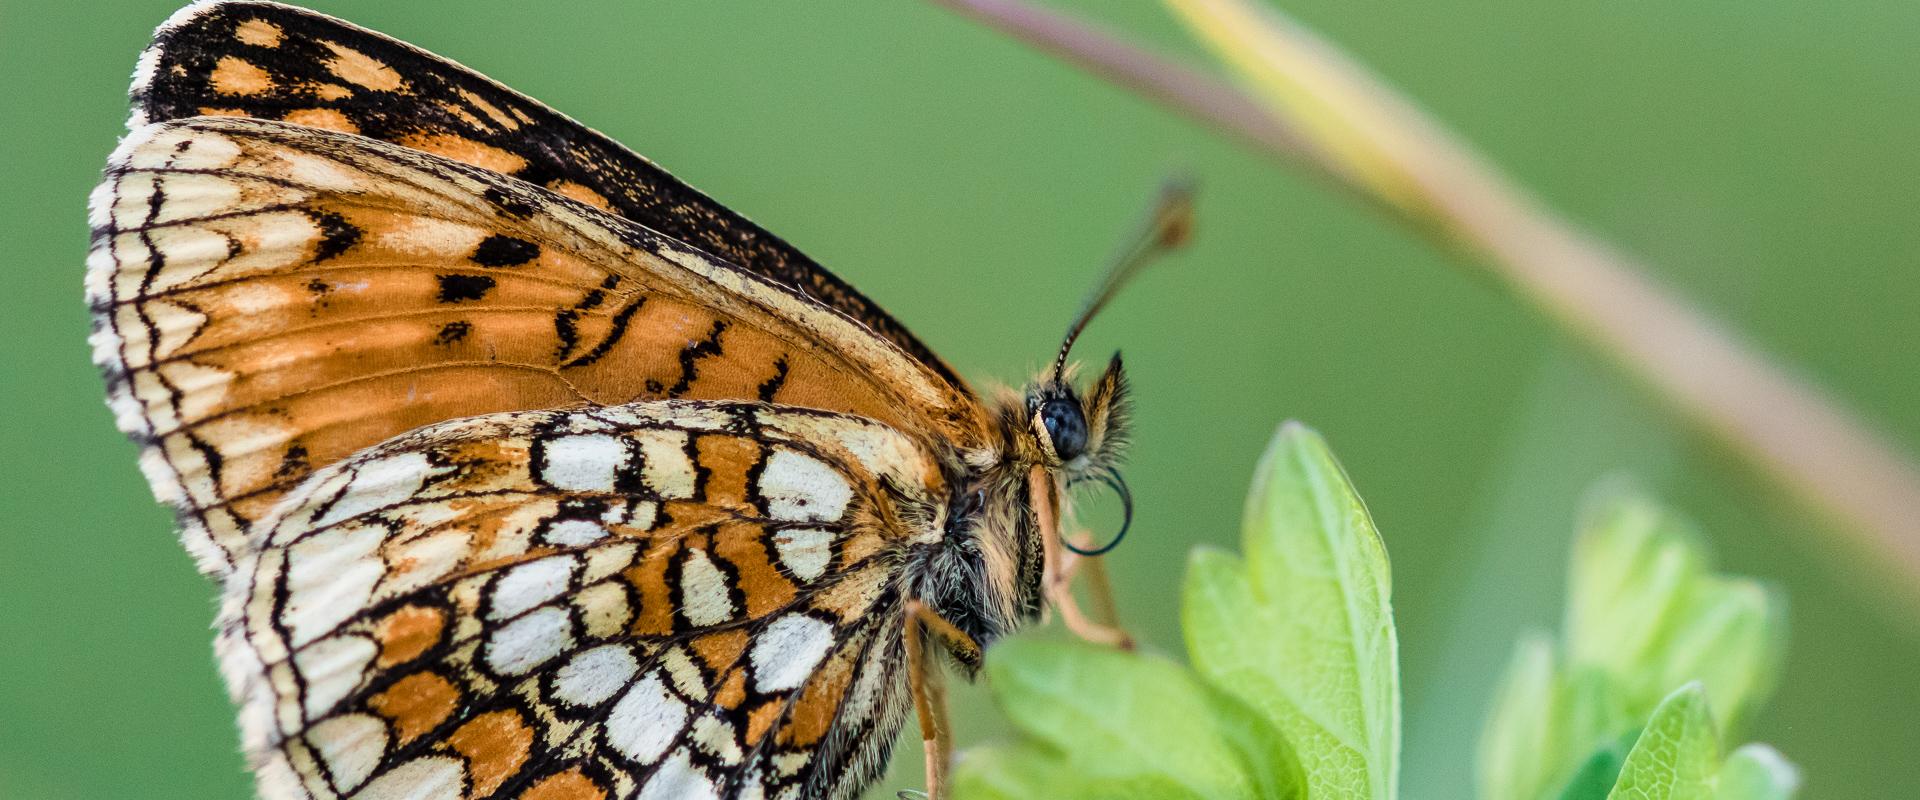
1730 636
1008 772
1645 614
1026 772
1265 754
1590 714
1632 566
1677 756
1101 723
1595 777
1758 772
1302 630
1548 723
1515 759
1644 608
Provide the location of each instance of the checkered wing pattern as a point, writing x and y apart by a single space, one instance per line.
657 600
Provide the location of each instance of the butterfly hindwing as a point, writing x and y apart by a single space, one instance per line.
270 298
659 600
278 62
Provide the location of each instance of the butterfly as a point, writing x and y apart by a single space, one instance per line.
528 470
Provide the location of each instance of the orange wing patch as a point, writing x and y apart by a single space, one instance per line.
326 118
259 33
362 70
466 151
270 299
235 76
419 616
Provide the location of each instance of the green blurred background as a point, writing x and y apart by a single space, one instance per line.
1761 153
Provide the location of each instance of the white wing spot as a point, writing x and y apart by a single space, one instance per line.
607 559
703 591
318 172
531 584
864 697
679 779
586 463
192 195
419 779
423 561
574 532
159 146
330 578
332 669
529 641
669 471
644 515
428 236
380 483
351 746
802 488
787 651
603 610
589 678
687 677
805 551
718 738
789 764
646 720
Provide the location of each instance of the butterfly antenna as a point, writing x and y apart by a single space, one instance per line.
1167 225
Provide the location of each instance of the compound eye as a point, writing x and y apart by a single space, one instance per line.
1066 427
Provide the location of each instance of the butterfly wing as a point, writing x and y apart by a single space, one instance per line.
661 600
278 62
270 298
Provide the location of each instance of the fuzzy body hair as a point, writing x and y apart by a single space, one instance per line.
985 574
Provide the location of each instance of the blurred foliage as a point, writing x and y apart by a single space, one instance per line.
1761 153
1645 611
1651 636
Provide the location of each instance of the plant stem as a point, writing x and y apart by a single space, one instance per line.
1317 109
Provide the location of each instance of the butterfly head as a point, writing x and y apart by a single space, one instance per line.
1080 435
1056 436
1077 434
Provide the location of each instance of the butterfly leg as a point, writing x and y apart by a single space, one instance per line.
1092 570
929 691
1060 566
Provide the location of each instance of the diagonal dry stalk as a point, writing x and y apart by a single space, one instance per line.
1312 105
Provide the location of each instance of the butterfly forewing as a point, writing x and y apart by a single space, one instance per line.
277 62
661 600
271 298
